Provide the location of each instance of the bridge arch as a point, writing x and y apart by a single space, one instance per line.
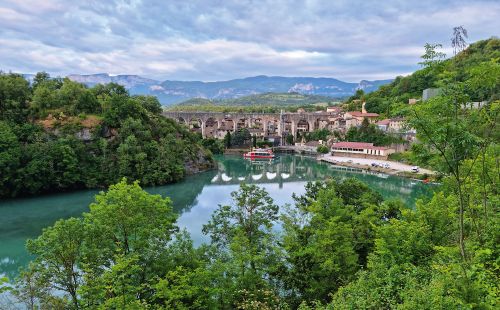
181 120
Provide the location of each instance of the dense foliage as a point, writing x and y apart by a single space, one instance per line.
57 134
323 149
482 56
241 137
316 135
371 133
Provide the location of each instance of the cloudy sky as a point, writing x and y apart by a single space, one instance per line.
216 40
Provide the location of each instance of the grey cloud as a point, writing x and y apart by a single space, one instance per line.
211 40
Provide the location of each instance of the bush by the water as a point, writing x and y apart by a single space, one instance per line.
322 149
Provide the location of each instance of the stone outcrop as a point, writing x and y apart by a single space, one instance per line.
199 163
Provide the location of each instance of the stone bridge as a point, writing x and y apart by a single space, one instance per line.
216 124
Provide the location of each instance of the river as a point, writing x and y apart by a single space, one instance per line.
194 198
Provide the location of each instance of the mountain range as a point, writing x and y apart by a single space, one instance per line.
171 92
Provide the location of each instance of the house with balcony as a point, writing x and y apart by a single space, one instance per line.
360 116
395 124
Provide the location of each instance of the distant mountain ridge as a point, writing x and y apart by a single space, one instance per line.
170 92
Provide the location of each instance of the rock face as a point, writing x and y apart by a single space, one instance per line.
84 134
201 162
169 92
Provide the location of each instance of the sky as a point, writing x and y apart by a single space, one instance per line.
226 39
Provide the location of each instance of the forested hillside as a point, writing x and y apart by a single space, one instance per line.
58 135
392 99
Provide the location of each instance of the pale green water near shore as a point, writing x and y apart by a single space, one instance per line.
195 198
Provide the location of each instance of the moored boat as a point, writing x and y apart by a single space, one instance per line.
259 154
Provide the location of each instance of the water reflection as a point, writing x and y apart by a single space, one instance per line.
195 198
284 169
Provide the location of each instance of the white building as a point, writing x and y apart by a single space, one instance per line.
361 150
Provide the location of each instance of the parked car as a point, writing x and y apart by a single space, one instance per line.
374 165
350 161
415 169
386 166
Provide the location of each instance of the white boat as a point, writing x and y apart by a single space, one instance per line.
259 154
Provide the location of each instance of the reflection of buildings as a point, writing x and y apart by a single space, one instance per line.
283 169
287 169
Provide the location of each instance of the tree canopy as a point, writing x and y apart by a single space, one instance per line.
60 135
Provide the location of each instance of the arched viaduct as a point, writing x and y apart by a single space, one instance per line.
216 124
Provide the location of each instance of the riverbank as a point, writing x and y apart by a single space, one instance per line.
394 168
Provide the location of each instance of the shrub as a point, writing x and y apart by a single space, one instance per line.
322 149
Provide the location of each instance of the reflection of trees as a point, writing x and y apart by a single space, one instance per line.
184 193
303 168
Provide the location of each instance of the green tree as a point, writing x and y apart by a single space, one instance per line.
432 56
40 78
327 237
128 219
322 149
14 97
33 290
150 103
10 156
370 133
227 139
216 146
242 235
444 124
241 137
58 254
318 134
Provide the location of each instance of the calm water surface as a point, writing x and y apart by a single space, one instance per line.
195 198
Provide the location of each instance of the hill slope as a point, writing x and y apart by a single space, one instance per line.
390 99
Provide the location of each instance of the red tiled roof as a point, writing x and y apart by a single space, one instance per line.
361 114
334 109
357 145
384 122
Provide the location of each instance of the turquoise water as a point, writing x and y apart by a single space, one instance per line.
195 198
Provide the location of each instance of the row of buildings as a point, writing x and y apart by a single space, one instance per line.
343 121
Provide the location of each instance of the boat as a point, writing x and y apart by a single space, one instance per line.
259 154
